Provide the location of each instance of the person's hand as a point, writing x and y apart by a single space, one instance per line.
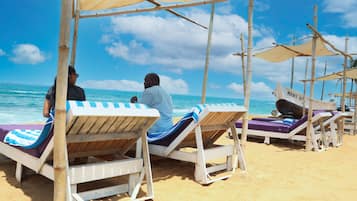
134 99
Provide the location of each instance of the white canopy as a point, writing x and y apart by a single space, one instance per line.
281 53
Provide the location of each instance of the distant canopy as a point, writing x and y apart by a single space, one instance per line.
91 5
281 53
350 73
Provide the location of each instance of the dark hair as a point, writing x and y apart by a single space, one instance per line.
71 70
151 79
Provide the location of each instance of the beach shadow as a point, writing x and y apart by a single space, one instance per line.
35 186
39 188
166 168
282 144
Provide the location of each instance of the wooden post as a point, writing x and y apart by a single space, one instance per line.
75 35
292 68
344 78
309 130
249 73
243 66
305 80
323 82
59 155
208 50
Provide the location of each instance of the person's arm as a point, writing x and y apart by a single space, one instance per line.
147 98
46 108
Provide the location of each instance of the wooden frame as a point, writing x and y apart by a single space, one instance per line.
201 135
317 120
334 129
89 135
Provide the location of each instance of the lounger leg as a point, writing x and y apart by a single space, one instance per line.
334 137
134 178
19 169
229 163
200 165
147 166
341 131
238 151
266 140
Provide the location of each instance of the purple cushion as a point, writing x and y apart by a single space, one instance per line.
4 129
266 126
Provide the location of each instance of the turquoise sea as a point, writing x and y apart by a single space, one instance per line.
23 103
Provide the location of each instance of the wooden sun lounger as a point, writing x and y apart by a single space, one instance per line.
213 122
96 129
297 133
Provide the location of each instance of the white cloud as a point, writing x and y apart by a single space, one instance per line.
258 90
174 43
172 86
347 8
27 54
2 52
122 85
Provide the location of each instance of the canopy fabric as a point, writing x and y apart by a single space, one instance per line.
281 53
350 73
109 4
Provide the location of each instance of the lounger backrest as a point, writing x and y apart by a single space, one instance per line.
106 127
214 120
304 119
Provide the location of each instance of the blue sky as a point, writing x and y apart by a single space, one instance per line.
117 52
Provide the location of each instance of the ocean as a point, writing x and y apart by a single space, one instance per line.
23 103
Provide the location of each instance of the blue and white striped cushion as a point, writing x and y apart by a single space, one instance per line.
27 138
91 108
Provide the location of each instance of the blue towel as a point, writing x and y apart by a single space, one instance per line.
29 139
194 114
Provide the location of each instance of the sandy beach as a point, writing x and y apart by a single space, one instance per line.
280 171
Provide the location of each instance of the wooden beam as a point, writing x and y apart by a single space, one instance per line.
177 14
100 137
156 8
208 51
328 43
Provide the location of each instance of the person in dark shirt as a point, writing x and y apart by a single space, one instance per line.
74 92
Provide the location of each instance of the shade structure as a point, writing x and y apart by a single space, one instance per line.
350 73
281 53
109 4
71 9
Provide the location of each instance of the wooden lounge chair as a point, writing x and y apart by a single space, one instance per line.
295 131
94 129
334 128
200 130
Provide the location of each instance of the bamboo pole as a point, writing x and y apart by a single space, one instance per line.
243 64
178 14
309 129
156 8
343 108
328 43
75 34
59 155
249 73
292 68
305 80
208 50
323 82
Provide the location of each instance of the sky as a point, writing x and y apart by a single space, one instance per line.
117 52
